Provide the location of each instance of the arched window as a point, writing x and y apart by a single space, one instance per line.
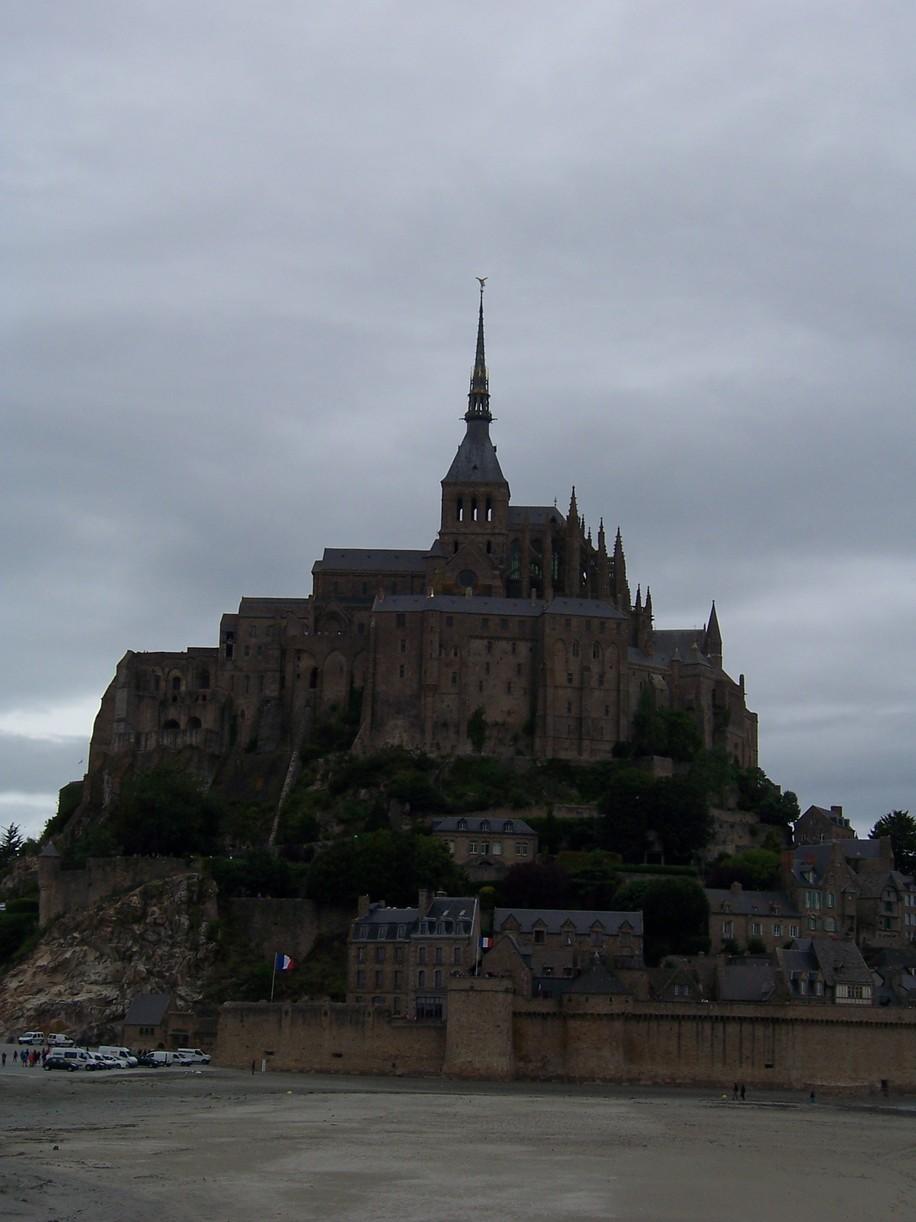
171 724
194 723
459 509
313 677
421 955
474 509
176 683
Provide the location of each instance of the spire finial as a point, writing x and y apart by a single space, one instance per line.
479 394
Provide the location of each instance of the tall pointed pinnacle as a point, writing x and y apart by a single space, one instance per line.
573 515
648 609
479 393
712 638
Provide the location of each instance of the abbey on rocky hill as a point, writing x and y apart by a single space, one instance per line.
514 633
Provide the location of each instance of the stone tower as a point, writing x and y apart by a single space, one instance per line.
475 497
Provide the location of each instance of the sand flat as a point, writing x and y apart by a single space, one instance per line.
219 1144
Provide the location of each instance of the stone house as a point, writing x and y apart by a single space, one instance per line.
826 970
558 944
487 845
401 959
849 888
154 1021
818 824
737 916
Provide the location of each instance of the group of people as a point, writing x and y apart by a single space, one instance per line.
29 1057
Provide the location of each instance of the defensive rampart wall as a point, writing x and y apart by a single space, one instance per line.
491 1034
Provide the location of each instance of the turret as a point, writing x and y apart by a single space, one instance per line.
573 548
620 590
602 565
712 638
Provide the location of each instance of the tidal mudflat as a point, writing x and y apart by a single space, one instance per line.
175 1145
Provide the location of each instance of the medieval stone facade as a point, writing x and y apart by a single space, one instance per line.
514 616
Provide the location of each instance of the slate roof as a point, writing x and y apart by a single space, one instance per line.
555 920
147 1009
476 461
269 607
535 515
841 962
598 980
750 903
473 822
668 642
746 980
377 560
382 923
591 608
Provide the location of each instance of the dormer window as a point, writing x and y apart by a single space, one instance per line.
508 826
462 825
484 825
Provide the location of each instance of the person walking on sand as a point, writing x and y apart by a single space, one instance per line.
735 1091
4 1059
742 1092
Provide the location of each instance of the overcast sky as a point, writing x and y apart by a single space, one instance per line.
240 243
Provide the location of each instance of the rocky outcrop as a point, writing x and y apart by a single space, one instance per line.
89 964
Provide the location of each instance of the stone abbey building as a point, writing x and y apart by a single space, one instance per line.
514 610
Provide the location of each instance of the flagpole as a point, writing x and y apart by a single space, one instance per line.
273 978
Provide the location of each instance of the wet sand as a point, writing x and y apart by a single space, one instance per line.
218 1144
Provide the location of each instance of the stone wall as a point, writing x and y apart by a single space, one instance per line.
492 1034
72 890
320 1037
292 926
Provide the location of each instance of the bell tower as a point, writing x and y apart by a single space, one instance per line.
474 527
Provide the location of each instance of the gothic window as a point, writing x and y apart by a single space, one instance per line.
176 683
473 508
313 677
489 510
515 560
459 513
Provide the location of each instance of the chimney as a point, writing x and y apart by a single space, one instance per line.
837 811
362 906
736 887
424 901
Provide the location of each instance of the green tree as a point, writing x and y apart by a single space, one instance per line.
165 811
758 793
533 884
677 813
384 865
675 915
755 869
626 814
10 844
477 729
901 827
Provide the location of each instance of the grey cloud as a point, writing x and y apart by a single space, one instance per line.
243 248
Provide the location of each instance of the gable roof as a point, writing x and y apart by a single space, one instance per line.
472 823
378 560
554 920
745 980
750 903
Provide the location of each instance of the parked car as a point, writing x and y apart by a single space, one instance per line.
68 1058
96 1062
196 1056
32 1037
59 1041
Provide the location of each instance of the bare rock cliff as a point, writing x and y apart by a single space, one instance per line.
89 964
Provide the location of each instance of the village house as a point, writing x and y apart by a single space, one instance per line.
487 845
818 824
738 917
400 959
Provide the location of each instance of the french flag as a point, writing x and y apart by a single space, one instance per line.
487 943
283 963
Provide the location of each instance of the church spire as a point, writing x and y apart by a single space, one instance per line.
479 393
712 638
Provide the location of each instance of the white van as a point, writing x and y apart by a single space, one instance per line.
68 1058
119 1051
196 1056
32 1037
55 1040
